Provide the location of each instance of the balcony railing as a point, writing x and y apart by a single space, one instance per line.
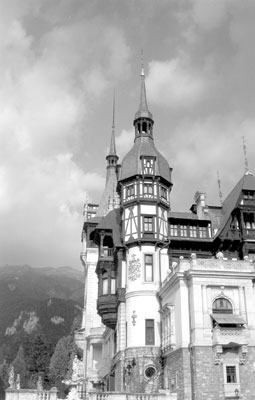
224 336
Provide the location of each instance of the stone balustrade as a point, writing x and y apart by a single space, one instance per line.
223 336
132 396
30 394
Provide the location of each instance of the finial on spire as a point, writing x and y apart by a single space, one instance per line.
246 167
113 111
112 150
142 66
219 184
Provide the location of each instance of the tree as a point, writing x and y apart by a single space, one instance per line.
19 365
61 362
37 354
4 376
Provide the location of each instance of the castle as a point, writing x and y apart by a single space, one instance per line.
169 303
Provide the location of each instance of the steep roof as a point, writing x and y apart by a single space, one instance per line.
112 222
247 182
131 164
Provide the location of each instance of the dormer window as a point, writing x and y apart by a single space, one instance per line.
148 165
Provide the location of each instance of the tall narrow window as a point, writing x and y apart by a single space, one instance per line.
105 284
203 231
231 374
183 230
130 191
149 332
193 231
174 230
113 285
148 224
148 267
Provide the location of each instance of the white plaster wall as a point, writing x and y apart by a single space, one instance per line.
144 307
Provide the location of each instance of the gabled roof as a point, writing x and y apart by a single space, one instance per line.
247 182
112 222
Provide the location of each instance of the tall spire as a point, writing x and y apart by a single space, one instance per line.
219 185
112 151
143 110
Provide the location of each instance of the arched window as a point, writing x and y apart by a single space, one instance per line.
222 306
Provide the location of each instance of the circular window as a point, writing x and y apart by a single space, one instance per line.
150 372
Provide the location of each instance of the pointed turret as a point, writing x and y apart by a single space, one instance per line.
143 110
110 198
143 121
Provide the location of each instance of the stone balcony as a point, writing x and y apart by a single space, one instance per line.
224 336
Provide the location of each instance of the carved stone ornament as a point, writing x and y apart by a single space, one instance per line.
134 316
134 268
217 354
242 354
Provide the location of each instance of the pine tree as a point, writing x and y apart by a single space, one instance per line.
19 365
37 353
61 362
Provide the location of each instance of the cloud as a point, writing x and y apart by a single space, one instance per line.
209 14
209 145
175 83
52 77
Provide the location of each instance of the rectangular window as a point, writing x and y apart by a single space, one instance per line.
105 285
183 230
231 374
148 224
163 192
149 332
193 231
148 268
113 285
174 230
203 231
130 191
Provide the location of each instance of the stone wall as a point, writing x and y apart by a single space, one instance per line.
134 379
177 373
247 376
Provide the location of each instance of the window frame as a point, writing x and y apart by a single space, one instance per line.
149 332
146 265
148 221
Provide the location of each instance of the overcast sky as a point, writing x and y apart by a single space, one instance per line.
60 62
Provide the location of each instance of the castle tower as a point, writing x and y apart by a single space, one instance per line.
144 185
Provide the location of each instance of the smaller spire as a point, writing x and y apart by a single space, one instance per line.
219 184
246 167
112 151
